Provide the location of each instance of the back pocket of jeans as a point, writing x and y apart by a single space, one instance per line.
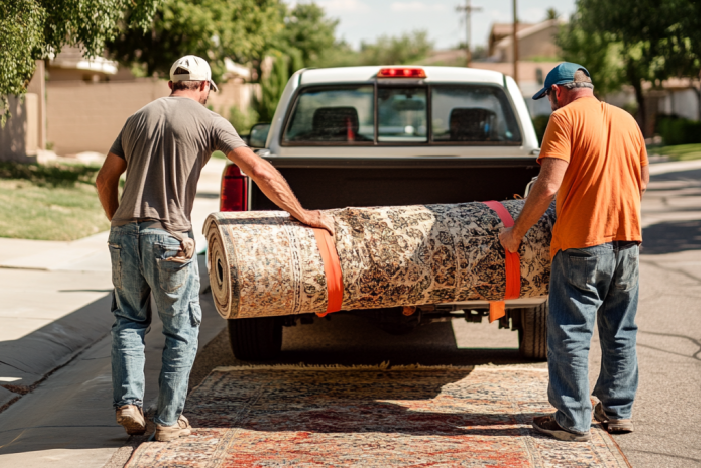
582 268
628 275
172 275
116 255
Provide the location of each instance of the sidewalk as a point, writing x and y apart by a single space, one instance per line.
56 295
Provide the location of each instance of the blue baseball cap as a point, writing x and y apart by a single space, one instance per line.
561 74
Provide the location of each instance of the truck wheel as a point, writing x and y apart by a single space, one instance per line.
532 342
255 339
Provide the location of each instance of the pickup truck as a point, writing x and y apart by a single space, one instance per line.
382 136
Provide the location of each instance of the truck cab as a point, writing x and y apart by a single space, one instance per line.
390 136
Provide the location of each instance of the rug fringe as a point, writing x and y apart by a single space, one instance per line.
383 366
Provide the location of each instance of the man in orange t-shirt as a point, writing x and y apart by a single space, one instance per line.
593 158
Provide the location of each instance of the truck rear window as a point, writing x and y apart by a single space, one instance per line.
459 115
472 114
335 115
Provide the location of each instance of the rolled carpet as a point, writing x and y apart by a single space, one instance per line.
265 263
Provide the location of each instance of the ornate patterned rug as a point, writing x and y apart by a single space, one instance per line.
264 263
372 416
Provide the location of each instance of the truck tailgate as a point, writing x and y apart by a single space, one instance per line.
325 183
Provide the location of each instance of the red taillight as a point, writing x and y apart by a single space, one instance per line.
401 73
234 190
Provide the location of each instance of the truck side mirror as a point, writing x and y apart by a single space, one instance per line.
258 135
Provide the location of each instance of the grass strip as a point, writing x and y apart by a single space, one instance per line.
687 152
49 202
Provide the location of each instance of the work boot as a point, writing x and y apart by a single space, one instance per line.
613 426
548 425
132 418
179 429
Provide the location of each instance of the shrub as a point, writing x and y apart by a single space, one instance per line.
243 120
540 122
678 131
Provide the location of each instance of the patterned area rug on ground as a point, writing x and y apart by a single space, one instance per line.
374 416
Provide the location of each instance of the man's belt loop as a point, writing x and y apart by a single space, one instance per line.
512 265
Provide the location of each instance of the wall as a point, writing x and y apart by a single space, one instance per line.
19 138
86 116
538 42
684 103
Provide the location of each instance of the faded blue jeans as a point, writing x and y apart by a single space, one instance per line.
139 269
595 283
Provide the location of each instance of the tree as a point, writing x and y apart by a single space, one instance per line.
652 39
272 85
551 14
405 49
309 32
212 29
595 50
32 30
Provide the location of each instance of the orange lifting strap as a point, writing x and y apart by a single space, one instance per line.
332 269
512 264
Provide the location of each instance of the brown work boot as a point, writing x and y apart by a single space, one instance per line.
179 429
613 426
548 425
132 418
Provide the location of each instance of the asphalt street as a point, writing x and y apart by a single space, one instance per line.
667 412
68 422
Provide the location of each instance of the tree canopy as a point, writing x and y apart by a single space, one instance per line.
243 30
635 41
35 29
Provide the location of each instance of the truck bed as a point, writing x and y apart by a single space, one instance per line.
326 183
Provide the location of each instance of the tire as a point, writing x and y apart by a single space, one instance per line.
256 339
532 333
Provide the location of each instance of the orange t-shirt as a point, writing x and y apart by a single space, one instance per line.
599 199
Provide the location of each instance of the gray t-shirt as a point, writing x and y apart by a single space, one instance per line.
165 144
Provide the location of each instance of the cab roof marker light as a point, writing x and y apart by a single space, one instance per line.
402 72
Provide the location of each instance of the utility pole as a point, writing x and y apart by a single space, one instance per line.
515 45
468 9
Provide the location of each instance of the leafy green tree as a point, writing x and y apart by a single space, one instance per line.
405 49
33 29
551 14
597 52
652 39
309 32
212 29
272 85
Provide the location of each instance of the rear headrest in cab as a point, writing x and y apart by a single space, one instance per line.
336 123
472 124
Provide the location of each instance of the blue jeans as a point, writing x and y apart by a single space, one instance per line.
595 283
139 269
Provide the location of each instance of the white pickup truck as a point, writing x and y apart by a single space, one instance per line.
381 136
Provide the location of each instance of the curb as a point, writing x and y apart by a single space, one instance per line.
667 167
27 361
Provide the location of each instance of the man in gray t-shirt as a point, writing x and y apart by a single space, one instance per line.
162 148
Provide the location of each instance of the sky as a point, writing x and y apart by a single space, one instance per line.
364 20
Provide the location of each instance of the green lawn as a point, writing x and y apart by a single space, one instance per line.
52 202
686 152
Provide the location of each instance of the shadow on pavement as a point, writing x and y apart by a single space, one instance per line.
671 237
36 354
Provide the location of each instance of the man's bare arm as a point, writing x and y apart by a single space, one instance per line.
645 172
108 183
552 172
275 187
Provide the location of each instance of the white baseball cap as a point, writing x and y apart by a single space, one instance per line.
199 70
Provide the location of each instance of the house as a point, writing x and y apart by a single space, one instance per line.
74 104
535 41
